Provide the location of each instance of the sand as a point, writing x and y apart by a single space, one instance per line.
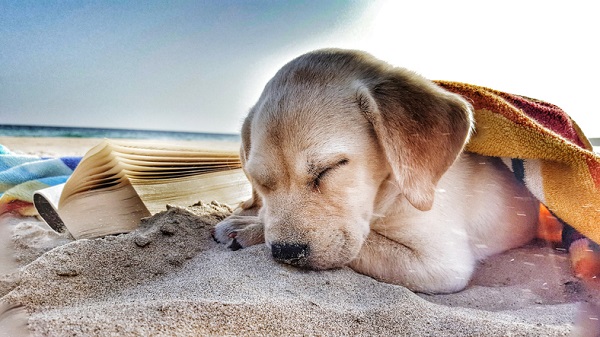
169 278
58 146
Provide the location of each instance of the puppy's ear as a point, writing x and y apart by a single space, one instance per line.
255 202
246 130
421 127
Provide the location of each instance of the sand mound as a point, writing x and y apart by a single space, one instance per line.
169 278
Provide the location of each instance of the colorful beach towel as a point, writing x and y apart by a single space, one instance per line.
545 149
21 175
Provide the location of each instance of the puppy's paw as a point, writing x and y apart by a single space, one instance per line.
238 231
585 259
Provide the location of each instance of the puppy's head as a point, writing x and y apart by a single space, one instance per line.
335 133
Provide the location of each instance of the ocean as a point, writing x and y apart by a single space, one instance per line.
59 131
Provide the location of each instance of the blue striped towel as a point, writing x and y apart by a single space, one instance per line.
21 175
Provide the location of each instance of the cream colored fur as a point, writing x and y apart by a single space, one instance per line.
362 164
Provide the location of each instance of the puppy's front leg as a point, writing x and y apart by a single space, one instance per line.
421 268
243 228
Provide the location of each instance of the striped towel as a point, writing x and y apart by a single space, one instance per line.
545 149
21 175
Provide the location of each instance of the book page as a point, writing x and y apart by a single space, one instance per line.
98 213
97 158
229 187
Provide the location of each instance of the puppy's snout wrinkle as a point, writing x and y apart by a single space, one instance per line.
294 254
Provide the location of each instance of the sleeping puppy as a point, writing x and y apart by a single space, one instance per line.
357 163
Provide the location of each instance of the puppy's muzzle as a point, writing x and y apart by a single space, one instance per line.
294 254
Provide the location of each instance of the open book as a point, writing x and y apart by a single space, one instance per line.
117 183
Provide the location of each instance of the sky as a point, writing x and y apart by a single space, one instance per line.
200 65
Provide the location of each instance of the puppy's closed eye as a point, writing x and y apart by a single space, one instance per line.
320 173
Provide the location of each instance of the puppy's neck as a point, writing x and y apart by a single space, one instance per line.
387 197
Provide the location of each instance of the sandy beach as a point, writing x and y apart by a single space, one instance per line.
57 146
169 278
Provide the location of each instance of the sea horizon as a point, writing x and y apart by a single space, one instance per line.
22 130
18 130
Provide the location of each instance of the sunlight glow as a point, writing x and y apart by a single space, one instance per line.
541 49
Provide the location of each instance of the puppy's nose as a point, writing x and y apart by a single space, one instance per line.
294 254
